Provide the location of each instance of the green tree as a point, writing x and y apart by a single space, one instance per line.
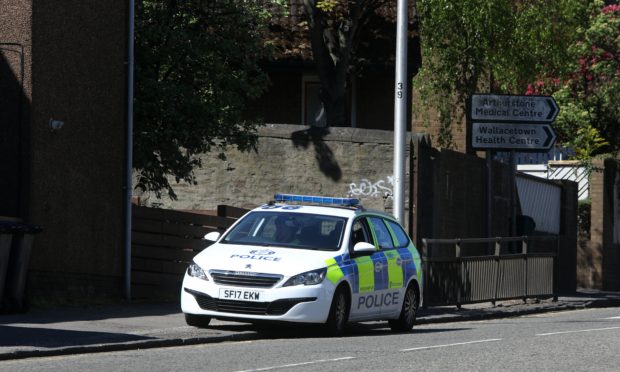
589 120
494 45
196 66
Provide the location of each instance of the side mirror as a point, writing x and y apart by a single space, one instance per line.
363 247
213 236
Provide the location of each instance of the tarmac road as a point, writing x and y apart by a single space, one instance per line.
580 340
48 332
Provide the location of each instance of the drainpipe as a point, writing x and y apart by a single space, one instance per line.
129 149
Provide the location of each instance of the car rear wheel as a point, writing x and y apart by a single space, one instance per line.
338 313
405 321
199 321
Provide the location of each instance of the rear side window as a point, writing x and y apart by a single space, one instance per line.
401 236
384 239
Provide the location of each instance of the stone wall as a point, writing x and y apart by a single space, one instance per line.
294 159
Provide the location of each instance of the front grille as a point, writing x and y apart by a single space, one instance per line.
243 279
278 307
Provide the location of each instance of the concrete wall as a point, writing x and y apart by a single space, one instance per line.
75 72
294 159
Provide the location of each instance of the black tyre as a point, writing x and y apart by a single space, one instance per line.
199 321
405 321
338 313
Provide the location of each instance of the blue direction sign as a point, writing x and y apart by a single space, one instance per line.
512 136
513 109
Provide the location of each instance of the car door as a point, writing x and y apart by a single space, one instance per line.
390 292
367 267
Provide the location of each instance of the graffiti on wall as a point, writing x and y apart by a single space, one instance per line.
367 188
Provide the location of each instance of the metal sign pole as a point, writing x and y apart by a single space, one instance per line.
513 193
129 149
400 110
489 163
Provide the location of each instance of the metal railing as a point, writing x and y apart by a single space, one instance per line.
492 269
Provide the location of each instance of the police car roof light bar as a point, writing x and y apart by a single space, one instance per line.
348 202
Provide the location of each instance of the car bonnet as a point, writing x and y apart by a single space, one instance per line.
259 259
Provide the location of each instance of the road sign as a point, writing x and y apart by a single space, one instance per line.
512 136
514 109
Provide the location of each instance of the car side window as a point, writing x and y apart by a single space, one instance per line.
360 233
401 236
384 239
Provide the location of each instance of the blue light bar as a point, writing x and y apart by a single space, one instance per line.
349 202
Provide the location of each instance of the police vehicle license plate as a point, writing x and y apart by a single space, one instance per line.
241 295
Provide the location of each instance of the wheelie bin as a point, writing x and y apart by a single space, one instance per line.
17 270
7 229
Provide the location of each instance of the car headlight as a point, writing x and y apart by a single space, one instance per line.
196 271
308 278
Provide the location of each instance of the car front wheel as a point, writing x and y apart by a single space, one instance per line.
338 313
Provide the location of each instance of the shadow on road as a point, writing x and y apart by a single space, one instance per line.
54 338
47 316
294 331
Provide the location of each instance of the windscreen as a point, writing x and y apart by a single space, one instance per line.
288 229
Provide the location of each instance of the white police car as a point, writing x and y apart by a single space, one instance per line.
324 260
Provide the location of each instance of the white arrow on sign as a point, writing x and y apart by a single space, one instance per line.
512 136
515 109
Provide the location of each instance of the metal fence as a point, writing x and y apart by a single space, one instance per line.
461 271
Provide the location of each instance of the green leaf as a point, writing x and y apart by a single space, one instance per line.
197 64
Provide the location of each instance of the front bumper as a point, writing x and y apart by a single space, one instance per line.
303 304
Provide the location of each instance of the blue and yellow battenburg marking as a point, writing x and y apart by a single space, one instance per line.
398 266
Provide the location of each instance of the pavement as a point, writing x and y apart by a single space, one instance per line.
128 326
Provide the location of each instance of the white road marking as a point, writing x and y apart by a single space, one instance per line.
298 364
613 317
455 344
579 331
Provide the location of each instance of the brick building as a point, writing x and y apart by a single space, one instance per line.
66 63
599 256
